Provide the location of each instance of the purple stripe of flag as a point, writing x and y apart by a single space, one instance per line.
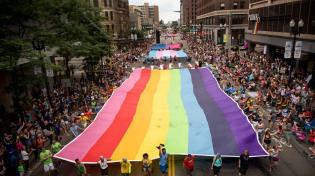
242 130
222 140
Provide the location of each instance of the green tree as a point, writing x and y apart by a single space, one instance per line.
72 26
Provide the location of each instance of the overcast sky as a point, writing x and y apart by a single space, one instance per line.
166 8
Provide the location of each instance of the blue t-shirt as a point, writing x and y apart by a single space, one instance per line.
163 159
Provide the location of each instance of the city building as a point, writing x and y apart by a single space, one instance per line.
136 15
275 23
223 21
188 12
150 18
115 13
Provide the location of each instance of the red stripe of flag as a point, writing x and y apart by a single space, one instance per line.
107 143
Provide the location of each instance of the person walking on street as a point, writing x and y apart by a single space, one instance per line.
216 164
243 163
188 164
273 157
125 167
46 157
146 164
81 170
163 159
103 166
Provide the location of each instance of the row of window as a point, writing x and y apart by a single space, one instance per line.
217 20
236 4
110 27
276 18
206 7
109 15
110 3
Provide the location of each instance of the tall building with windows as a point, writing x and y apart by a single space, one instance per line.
150 18
272 24
223 21
136 16
188 12
116 14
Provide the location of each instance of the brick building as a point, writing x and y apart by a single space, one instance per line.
188 12
150 18
115 12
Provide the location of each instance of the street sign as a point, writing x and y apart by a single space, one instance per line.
298 49
50 72
288 49
265 49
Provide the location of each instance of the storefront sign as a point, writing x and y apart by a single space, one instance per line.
288 49
298 49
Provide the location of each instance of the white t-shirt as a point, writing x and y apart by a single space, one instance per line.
103 164
25 155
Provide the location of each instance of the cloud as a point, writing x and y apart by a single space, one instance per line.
166 8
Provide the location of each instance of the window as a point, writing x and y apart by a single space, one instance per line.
222 6
222 20
111 16
235 5
105 3
110 3
242 4
106 15
113 27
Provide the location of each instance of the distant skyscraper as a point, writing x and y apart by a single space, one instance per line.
150 18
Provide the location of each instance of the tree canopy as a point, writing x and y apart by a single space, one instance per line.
74 27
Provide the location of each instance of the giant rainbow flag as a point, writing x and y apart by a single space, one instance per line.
184 109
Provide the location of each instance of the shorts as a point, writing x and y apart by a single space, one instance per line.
147 169
104 171
164 168
49 167
216 170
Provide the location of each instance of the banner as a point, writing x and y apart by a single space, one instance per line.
298 49
288 49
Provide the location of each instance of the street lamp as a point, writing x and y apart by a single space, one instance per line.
294 30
